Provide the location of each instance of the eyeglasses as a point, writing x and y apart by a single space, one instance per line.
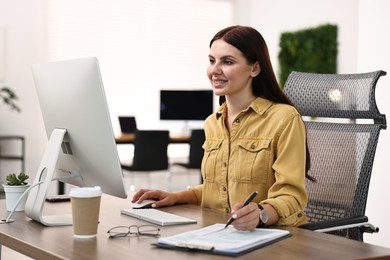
134 230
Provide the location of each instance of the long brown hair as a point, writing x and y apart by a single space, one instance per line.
253 46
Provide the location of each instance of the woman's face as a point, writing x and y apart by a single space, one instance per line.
229 72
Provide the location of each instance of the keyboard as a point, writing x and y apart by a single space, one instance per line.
157 217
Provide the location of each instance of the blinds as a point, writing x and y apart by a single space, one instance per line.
142 46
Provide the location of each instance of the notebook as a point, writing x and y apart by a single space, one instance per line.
158 217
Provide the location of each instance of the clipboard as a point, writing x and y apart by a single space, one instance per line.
215 239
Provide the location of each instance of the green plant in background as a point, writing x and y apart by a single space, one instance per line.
16 180
310 50
9 98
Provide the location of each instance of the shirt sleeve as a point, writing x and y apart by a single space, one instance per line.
198 190
288 195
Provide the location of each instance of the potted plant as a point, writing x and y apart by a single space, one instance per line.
14 188
8 97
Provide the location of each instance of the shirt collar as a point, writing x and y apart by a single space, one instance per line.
259 105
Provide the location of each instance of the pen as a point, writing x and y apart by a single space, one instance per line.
248 200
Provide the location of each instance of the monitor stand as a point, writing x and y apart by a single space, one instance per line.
45 175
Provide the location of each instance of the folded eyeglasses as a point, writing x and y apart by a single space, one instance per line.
134 230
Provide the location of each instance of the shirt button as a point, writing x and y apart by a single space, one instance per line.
253 146
227 210
224 164
224 188
299 215
237 120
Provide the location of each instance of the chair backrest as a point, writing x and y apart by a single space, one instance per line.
151 150
341 151
196 150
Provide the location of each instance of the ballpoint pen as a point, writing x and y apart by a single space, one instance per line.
247 201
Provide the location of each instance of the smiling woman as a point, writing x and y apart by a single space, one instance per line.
255 141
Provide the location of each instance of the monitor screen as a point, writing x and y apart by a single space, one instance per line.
81 148
186 104
127 124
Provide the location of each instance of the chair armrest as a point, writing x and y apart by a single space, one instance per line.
335 222
341 223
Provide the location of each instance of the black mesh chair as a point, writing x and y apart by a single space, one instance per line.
343 125
196 151
150 152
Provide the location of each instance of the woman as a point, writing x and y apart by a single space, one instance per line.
256 141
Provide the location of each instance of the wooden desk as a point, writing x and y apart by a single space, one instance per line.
39 242
130 138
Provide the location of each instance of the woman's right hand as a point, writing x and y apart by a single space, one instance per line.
162 198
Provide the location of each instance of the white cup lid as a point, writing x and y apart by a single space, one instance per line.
86 192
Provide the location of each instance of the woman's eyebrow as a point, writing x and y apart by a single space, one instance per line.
224 57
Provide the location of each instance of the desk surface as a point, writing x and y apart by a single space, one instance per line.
39 242
130 138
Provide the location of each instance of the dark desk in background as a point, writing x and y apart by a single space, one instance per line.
40 242
130 138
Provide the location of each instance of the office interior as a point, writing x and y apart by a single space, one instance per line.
363 46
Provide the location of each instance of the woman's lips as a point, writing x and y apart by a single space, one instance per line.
219 82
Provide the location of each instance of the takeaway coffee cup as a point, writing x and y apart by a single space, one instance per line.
85 211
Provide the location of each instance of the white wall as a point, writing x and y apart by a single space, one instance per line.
374 54
363 46
24 44
360 21
272 18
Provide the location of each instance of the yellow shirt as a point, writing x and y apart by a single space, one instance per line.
265 151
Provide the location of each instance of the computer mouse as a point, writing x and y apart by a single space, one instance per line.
144 204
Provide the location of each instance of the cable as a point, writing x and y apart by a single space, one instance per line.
9 220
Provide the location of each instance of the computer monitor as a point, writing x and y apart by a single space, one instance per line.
185 104
127 124
81 148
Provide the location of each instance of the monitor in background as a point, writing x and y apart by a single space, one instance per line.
127 124
81 148
186 104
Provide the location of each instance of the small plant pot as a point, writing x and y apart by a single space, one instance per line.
12 195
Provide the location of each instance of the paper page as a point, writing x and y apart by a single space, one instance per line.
220 239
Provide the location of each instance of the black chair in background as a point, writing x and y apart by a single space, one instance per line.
342 151
196 152
127 124
150 153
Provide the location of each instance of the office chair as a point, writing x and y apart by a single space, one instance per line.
343 124
196 152
150 153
